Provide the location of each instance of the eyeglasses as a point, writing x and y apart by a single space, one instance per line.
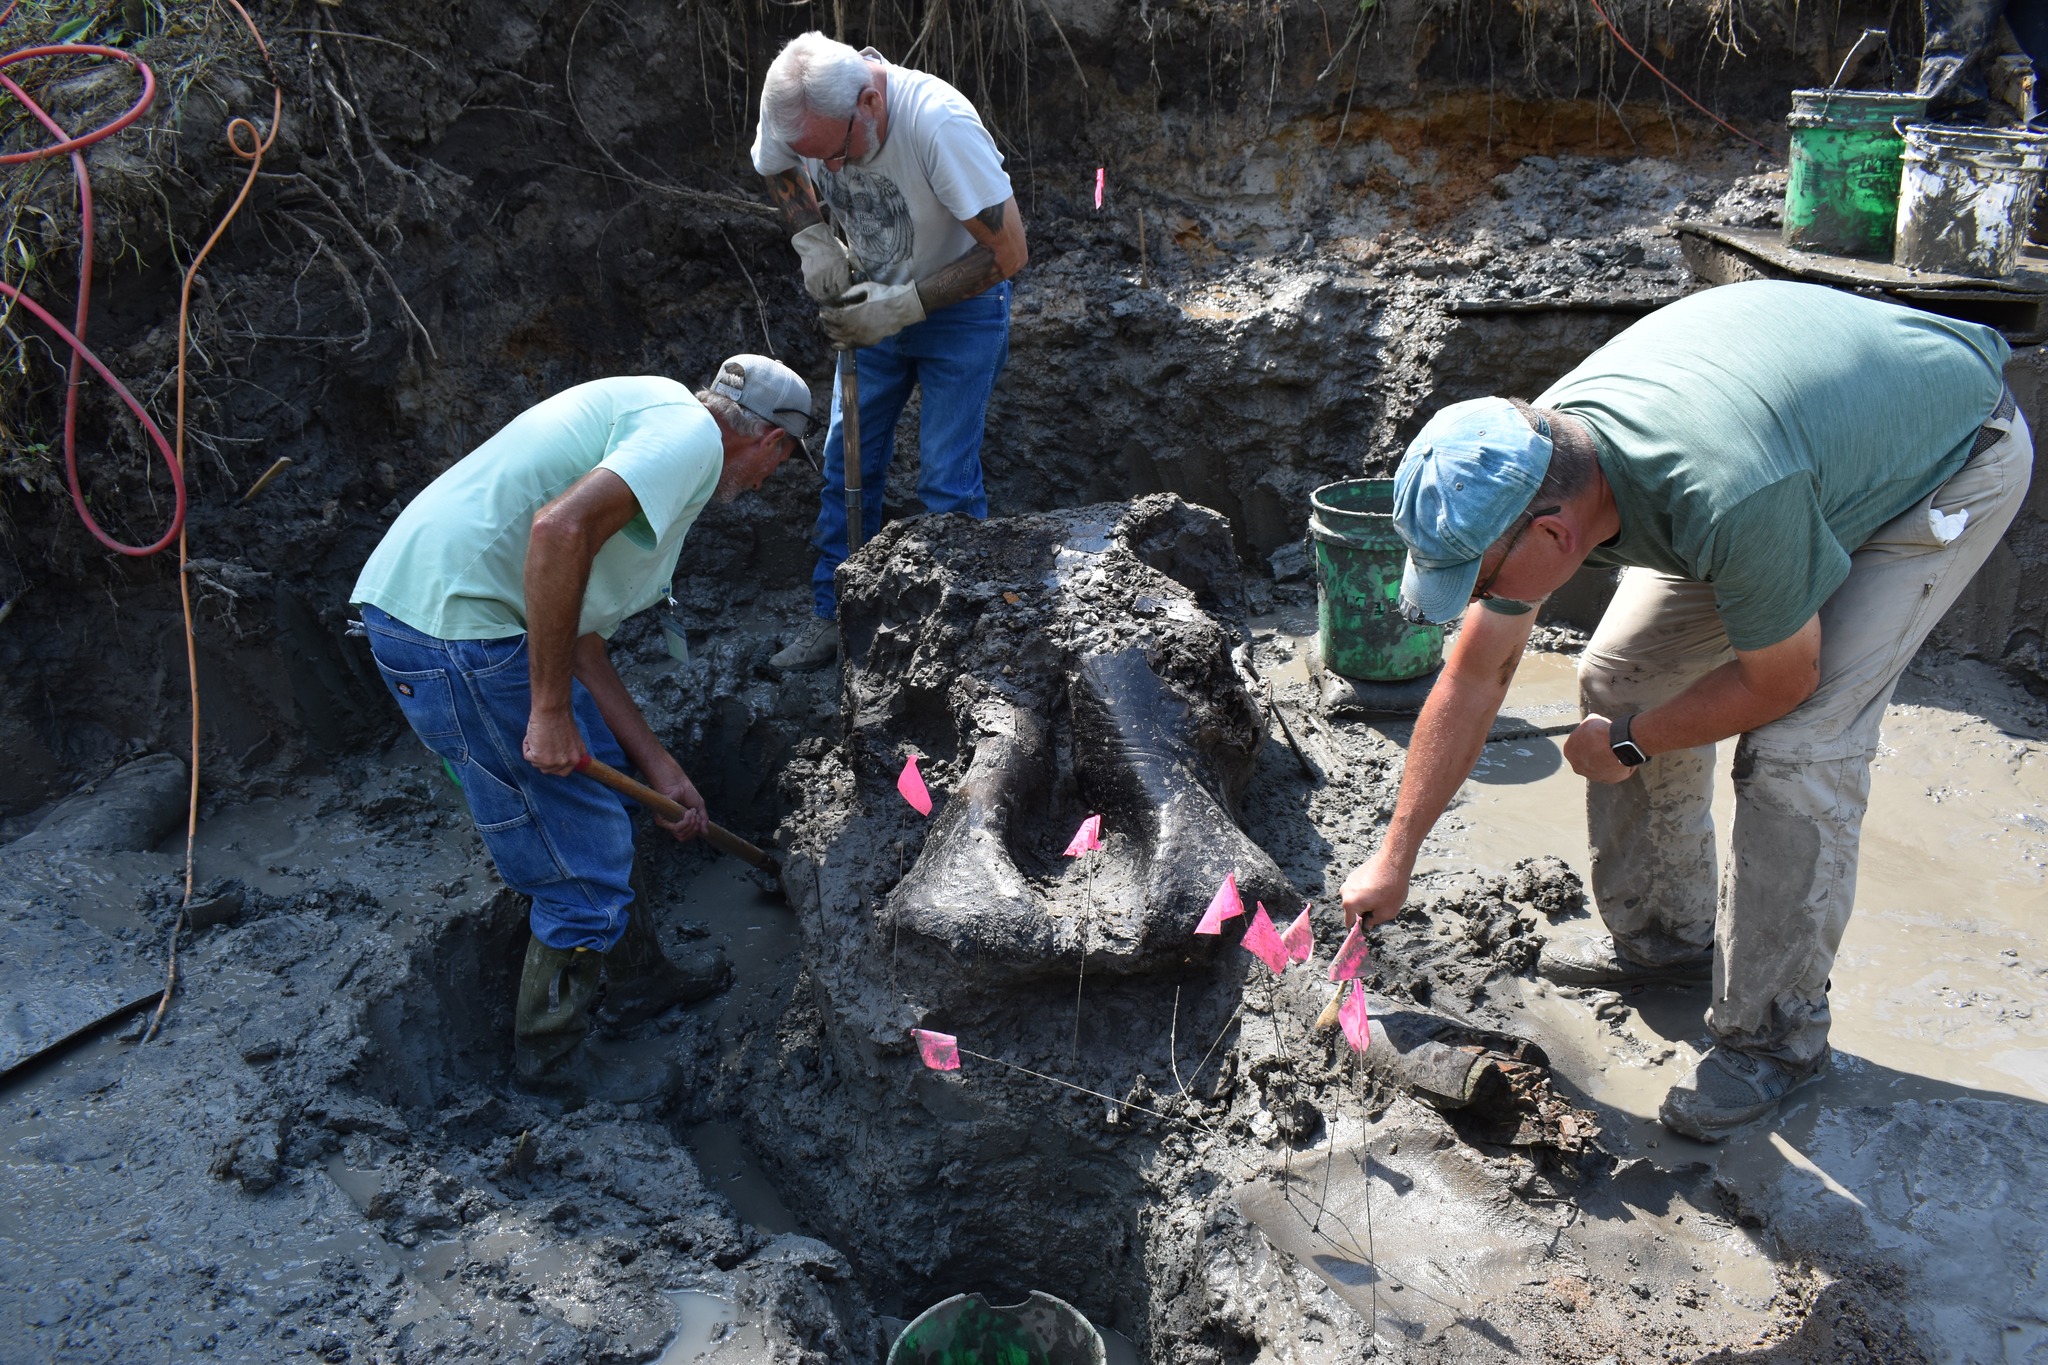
1483 590
846 147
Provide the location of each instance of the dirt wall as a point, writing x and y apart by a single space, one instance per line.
470 207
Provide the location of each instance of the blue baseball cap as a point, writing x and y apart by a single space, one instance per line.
1467 475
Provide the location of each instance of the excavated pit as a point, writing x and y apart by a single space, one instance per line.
1312 238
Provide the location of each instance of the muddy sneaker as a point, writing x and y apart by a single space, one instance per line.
1597 962
1728 1089
815 647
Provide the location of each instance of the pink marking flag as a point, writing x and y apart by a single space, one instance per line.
1264 942
1300 937
1357 1024
1086 838
1100 172
911 783
1351 956
941 1051
1225 904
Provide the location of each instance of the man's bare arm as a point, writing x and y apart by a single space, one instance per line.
646 752
999 251
794 194
566 536
1760 686
1448 737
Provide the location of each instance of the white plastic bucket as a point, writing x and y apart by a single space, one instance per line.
1966 199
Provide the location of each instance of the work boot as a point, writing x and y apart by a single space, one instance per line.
1598 962
1728 1089
641 980
816 646
551 1047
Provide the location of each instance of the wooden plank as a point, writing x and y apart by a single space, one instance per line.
1766 246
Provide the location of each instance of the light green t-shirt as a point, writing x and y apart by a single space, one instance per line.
1756 434
454 563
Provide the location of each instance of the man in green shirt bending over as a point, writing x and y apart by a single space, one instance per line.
1800 482
488 604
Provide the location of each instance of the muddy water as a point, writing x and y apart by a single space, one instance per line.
1941 974
1919 1150
762 941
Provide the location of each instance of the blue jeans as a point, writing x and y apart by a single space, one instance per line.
565 841
955 354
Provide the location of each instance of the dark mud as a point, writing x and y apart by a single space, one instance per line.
1313 237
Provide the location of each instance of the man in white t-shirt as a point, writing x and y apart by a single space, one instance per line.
918 288
488 604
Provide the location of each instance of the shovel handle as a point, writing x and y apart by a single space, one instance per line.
849 446
718 836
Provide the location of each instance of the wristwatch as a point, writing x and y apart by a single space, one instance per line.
1625 749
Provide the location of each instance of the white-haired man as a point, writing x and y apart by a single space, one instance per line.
919 287
488 604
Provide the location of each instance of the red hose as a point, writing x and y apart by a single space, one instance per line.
74 147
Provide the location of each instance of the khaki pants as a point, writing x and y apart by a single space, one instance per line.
1801 782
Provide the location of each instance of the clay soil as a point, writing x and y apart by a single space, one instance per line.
1319 228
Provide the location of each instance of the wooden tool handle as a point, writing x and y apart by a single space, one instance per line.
1329 1014
849 447
718 836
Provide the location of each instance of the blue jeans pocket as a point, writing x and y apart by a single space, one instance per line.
505 820
427 698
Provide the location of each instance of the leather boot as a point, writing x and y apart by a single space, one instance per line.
552 1051
642 980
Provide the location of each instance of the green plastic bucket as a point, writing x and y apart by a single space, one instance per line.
1842 190
1358 590
969 1330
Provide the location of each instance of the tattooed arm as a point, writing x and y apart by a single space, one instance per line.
794 195
998 253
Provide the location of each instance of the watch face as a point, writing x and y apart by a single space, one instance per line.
1628 753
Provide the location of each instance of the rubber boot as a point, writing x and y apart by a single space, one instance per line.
642 980
552 1050
552 1018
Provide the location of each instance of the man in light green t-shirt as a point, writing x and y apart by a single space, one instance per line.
488 604
1800 482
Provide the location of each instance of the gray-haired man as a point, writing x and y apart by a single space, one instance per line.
916 184
1801 482
488 604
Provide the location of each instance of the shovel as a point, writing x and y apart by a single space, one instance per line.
719 837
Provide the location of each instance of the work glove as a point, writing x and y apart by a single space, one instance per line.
868 313
828 265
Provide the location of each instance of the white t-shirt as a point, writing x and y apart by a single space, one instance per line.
902 210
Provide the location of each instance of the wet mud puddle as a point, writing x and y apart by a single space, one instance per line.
1919 1149
761 940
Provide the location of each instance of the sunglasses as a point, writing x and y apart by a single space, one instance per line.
1483 590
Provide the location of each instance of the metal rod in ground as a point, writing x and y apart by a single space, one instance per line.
1328 1164
1196 1075
1087 922
1372 1256
1280 1046
849 445
1173 1043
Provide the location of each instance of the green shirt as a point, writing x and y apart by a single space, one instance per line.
1756 434
454 563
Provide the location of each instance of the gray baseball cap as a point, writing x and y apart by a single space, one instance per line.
769 389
